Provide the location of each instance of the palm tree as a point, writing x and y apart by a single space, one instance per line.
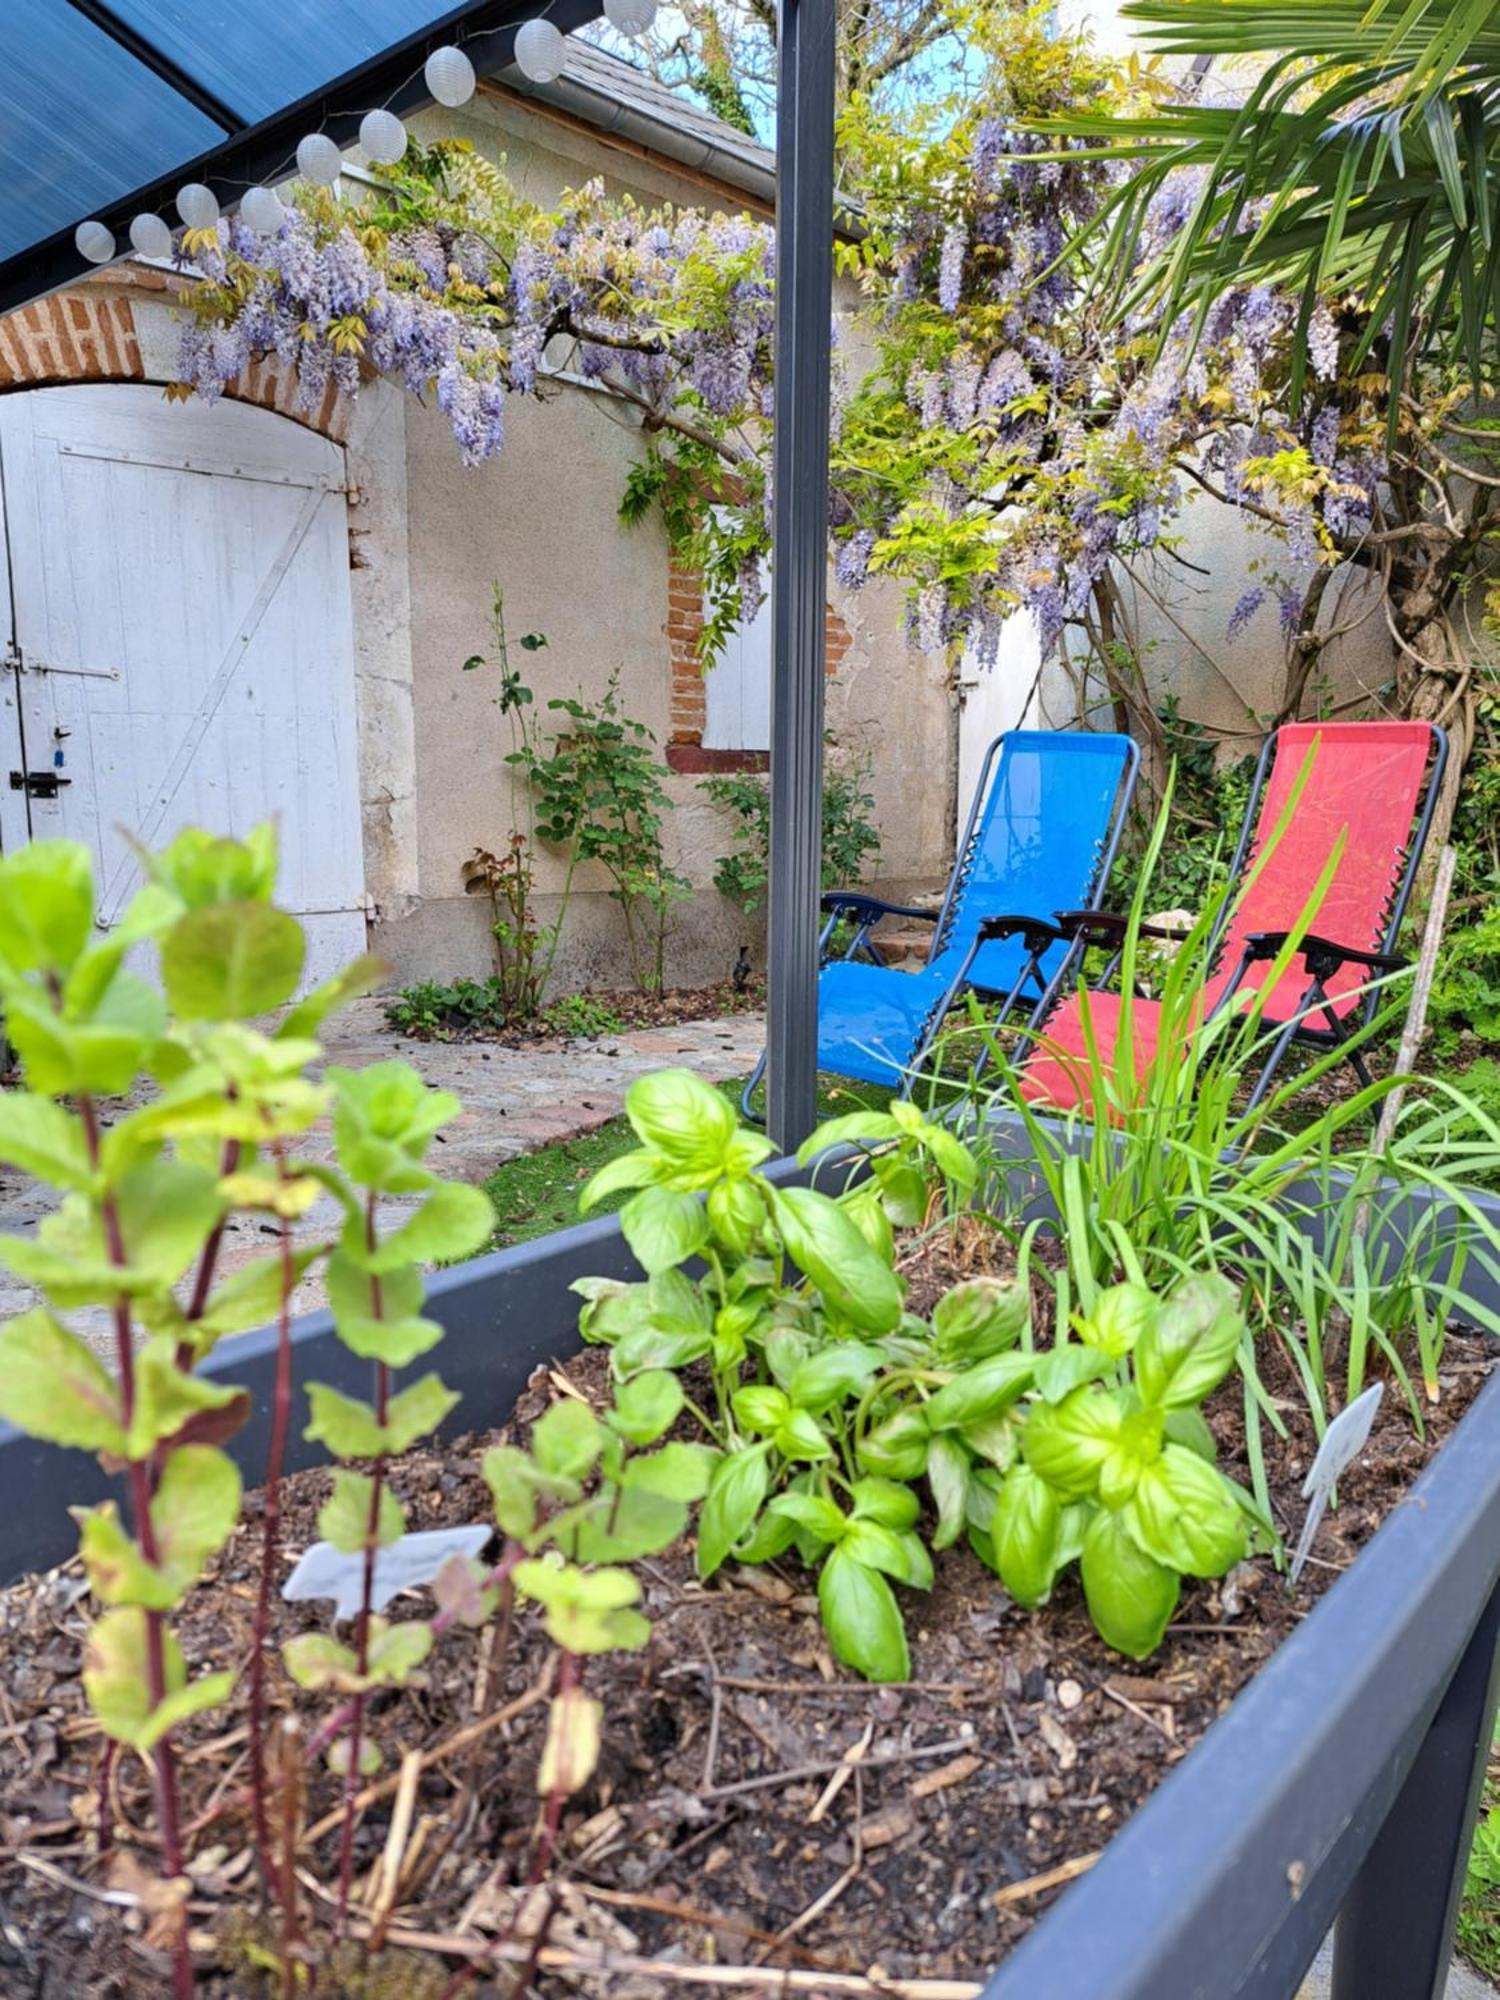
1362 165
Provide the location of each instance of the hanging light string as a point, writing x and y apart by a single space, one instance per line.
539 52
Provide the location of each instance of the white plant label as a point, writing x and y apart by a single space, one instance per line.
1343 1441
324 1571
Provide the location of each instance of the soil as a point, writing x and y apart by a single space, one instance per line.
754 1804
631 1009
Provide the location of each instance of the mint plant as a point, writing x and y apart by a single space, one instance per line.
145 1199
384 1119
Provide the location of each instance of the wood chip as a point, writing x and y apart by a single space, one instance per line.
888 1826
1051 1878
1058 1741
945 1776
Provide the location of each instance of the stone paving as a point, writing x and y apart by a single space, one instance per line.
515 1100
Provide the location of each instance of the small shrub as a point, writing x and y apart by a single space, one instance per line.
850 841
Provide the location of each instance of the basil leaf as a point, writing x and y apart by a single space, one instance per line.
731 1504
1130 1595
981 1317
1068 1442
821 1240
1184 1513
898 1552
948 1476
862 1619
1191 1343
842 1369
884 1500
1025 1535
979 1392
663 1229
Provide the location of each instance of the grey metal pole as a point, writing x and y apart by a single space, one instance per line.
799 540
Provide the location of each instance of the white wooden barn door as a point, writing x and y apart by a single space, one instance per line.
181 649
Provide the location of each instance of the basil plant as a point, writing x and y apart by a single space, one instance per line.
865 1438
800 1320
1114 1464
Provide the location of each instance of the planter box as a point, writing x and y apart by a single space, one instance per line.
1342 1783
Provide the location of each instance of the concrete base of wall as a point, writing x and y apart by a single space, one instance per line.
447 937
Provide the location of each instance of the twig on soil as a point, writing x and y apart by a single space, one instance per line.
831 1894
843 1774
949 1747
389 1868
122 1899
1050 1878
663 1906
1136 1710
557 1958
459 1740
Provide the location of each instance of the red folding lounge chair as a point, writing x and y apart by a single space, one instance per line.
1376 783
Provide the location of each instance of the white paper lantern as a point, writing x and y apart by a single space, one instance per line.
541 52
150 237
631 17
198 205
261 210
383 137
450 77
318 159
95 242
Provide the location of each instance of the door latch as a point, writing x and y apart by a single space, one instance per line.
37 784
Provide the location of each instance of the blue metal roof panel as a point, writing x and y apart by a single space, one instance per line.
258 56
82 122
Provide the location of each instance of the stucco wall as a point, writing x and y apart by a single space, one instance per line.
542 519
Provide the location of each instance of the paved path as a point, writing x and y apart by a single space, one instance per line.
515 1100
1463 1982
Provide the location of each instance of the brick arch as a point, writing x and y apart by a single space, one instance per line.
84 336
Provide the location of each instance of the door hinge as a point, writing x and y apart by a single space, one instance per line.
37 784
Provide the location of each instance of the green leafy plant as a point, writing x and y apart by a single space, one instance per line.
1466 991
525 952
145 1203
434 1011
850 840
384 1119
600 795
1117 1473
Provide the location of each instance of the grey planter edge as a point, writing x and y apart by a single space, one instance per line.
1226 1881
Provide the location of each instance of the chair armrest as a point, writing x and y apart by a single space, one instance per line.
1035 932
1105 927
870 908
1321 955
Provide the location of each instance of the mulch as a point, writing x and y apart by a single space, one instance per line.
631 1008
755 1805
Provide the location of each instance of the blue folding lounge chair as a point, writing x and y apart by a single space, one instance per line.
1046 819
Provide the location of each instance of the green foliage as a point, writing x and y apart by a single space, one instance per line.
1101 1477
1466 991
437 1012
1479 1915
599 795
850 841
1209 801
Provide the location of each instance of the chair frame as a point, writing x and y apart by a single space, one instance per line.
1321 956
1036 933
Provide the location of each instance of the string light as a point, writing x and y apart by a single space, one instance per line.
94 242
540 52
319 159
630 17
150 237
261 210
383 137
198 205
450 77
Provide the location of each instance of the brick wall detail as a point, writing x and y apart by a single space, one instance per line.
687 707
86 335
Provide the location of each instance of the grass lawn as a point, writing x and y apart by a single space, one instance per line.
538 1192
1479 1918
